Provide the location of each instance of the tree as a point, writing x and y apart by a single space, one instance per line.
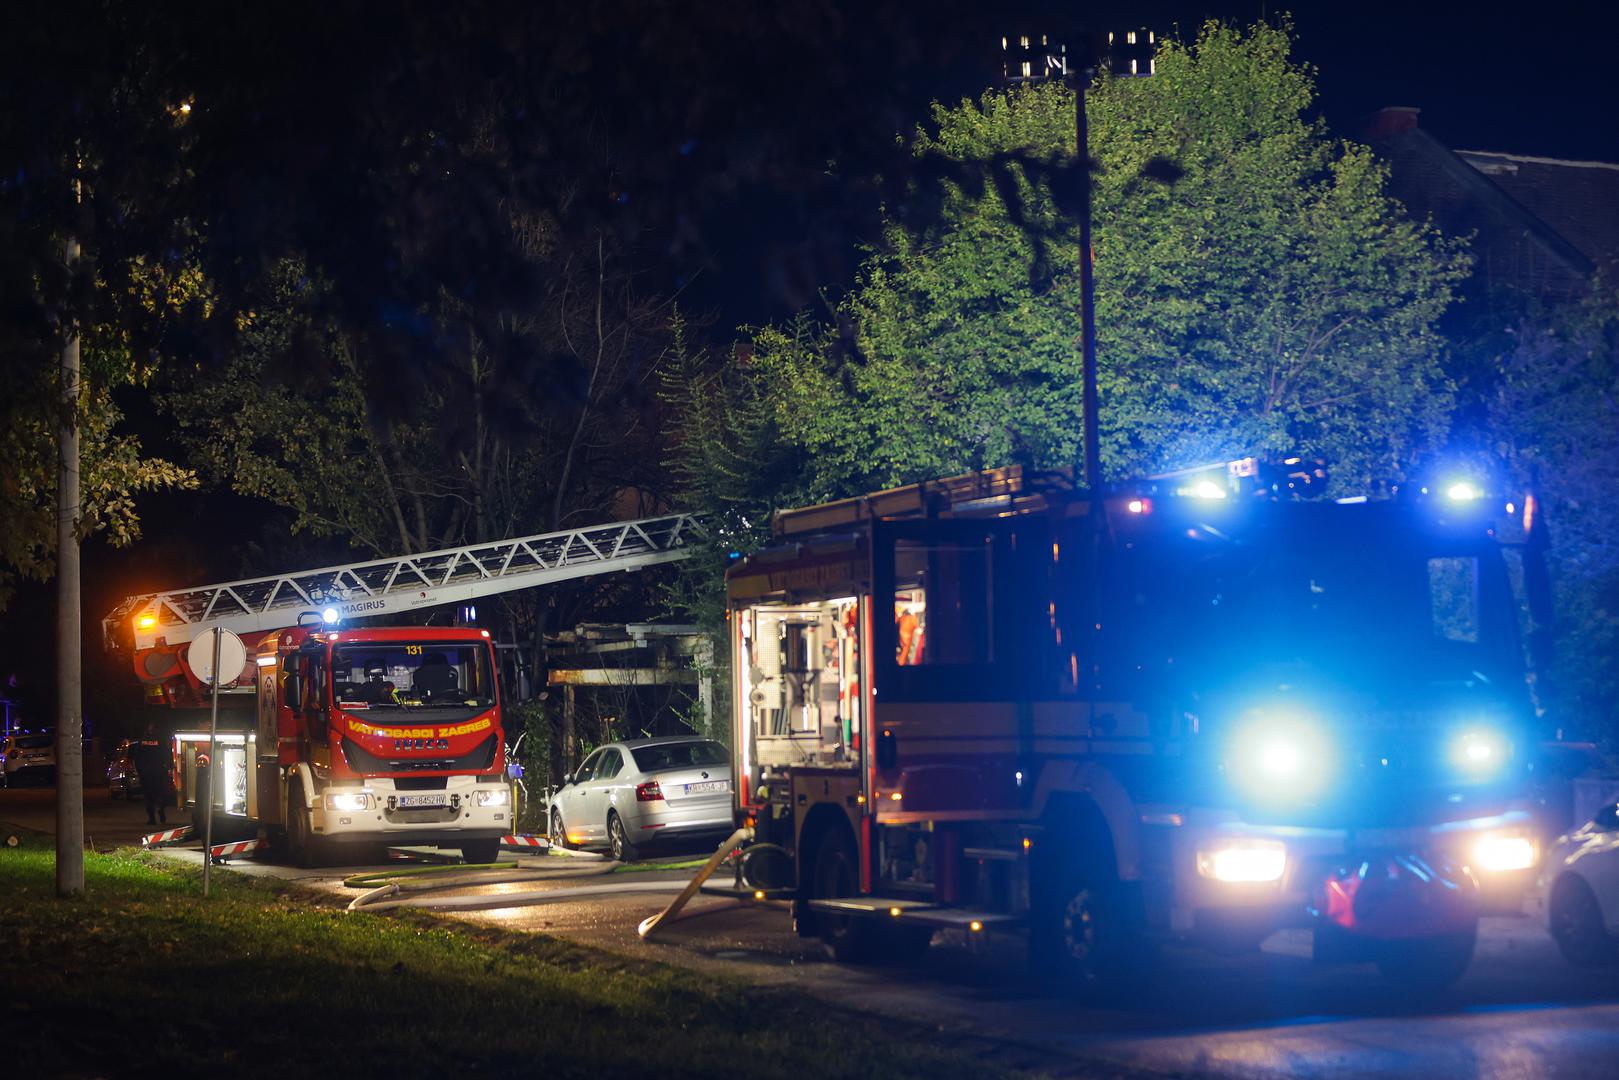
1554 421
89 169
1258 291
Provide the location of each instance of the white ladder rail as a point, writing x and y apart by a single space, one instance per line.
382 587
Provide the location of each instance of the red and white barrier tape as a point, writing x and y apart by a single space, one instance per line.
167 836
524 841
240 847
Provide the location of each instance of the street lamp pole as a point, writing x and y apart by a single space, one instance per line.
1082 77
1035 58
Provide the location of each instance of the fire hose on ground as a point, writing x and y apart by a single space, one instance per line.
414 887
672 913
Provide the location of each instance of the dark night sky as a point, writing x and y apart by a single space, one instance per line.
1533 79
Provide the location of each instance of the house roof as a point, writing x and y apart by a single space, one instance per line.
1578 199
1539 223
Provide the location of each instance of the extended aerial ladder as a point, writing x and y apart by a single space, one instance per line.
157 625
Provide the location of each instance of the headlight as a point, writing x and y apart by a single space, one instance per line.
1480 752
1498 853
1280 759
349 801
495 796
1243 861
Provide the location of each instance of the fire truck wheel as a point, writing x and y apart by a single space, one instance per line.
306 848
623 849
1083 934
850 939
1429 963
479 852
559 835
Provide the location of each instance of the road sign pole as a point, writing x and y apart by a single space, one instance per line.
213 732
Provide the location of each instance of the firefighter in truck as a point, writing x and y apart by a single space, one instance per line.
1197 708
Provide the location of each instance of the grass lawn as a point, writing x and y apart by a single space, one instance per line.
141 976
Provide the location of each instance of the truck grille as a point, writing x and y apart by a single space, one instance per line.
477 759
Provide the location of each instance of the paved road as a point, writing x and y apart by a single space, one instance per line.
1520 1011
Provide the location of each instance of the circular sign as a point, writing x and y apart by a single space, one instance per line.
232 655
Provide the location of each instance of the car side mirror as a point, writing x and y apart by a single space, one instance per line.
567 779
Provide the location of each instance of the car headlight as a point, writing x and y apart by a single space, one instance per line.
1480 752
1280 759
348 801
495 796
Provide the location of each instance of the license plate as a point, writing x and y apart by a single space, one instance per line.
421 802
712 785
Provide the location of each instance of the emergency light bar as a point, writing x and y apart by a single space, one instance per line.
1296 477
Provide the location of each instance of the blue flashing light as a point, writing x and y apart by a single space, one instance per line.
1281 758
1202 489
1480 752
1463 491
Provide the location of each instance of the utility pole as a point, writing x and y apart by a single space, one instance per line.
69 687
1036 57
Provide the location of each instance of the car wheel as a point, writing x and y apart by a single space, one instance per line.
623 849
1429 963
1575 921
559 835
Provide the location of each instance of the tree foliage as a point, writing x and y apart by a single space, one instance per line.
99 159
1258 291
1554 420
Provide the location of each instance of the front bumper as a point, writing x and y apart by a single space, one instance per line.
459 816
1378 883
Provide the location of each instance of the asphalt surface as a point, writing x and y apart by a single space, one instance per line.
1519 1011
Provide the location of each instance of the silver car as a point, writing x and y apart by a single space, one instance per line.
1577 894
627 794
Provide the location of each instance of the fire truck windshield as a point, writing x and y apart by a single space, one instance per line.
1399 610
411 676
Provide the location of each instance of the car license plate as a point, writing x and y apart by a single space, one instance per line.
705 788
421 802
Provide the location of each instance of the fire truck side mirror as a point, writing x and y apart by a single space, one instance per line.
887 750
289 687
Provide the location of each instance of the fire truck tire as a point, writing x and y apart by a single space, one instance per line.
306 849
559 834
624 850
480 852
851 939
1083 933
1429 963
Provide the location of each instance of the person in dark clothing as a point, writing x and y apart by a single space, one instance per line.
153 761
378 691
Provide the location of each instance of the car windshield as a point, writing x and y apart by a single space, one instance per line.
679 755
34 742
410 676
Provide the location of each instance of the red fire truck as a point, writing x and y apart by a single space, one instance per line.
361 738
1197 708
